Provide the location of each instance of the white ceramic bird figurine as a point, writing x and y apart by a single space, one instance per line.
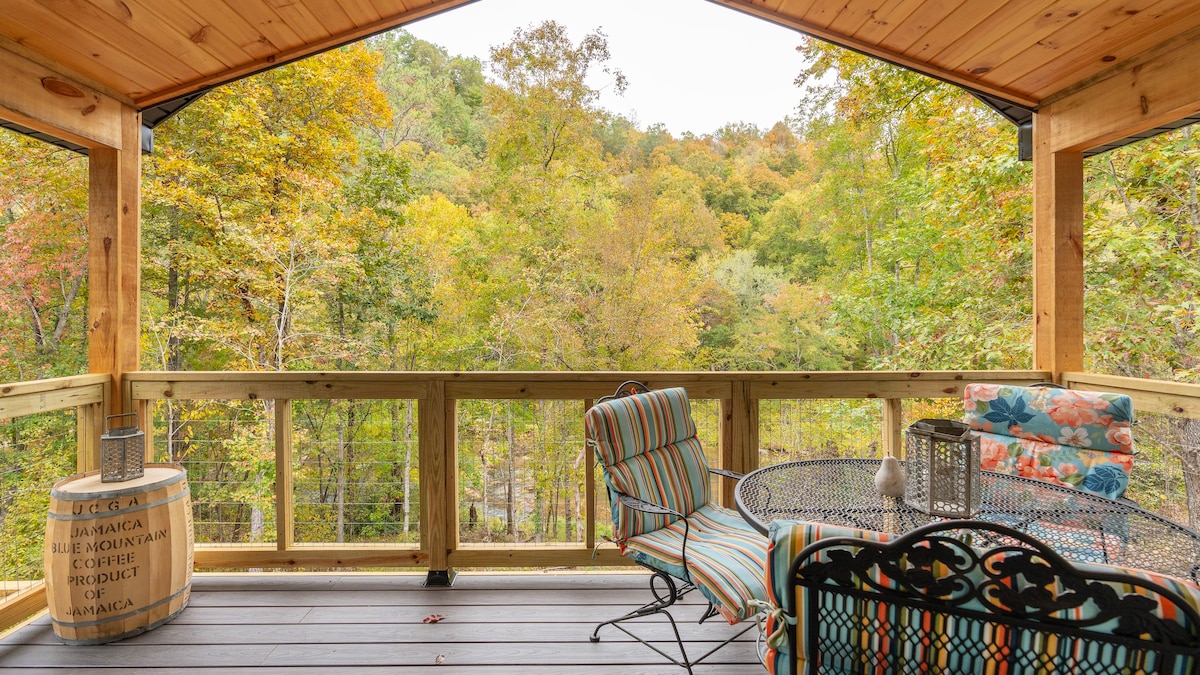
889 480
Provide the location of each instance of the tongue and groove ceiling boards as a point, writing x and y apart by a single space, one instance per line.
156 55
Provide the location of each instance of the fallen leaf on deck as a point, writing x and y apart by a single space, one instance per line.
433 618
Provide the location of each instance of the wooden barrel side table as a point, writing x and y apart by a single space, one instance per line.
118 555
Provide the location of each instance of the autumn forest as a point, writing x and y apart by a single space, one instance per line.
390 206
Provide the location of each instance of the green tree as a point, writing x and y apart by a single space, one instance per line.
43 250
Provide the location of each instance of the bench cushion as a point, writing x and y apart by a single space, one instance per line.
786 538
927 632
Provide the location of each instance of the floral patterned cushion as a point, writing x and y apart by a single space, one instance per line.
1075 438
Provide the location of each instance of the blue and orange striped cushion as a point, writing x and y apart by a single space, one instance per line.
787 538
624 427
647 445
725 558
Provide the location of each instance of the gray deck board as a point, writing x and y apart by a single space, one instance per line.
366 624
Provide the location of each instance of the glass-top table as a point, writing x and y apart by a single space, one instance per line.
1078 525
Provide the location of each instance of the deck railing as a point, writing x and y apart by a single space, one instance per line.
437 397
50 427
270 436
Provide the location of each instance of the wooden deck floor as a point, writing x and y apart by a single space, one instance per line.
365 624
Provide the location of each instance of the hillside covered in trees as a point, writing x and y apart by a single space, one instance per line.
390 206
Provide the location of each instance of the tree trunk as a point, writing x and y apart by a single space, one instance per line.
340 490
1193 199
510 502
1188 433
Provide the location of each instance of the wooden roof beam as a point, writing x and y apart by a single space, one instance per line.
42 99
1145 92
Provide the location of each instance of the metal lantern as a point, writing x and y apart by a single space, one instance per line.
122 451
943 468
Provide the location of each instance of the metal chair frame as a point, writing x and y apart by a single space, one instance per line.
663 598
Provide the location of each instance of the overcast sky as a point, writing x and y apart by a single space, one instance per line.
691 65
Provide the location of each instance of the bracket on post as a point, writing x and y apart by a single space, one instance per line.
440 578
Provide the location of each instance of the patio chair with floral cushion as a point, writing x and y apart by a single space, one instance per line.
965 596
663 517
1076 438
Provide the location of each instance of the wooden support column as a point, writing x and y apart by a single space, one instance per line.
1057 252
1135 95
114 242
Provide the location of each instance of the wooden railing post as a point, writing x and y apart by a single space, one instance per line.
438 482
284 493
893 421
89 426
589 491
739 435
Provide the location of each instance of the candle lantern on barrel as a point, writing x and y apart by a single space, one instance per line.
122 451
943 468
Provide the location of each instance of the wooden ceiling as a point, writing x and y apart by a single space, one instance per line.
1024 52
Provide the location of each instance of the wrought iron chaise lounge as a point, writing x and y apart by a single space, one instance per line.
663 518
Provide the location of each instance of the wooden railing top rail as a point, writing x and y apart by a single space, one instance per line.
60 393
154 385
1178 399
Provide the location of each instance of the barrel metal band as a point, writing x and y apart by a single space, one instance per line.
121 617
132 509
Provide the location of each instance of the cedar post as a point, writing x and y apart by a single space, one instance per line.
1057 252
114 241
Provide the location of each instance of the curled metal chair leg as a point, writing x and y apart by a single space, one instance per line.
664 598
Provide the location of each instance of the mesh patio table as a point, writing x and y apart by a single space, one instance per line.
1078 525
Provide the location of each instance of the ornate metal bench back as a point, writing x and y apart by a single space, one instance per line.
966 593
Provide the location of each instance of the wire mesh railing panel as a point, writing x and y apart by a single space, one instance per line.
931 408
1166 467
521 471
793 430
36 451
228 451
354 472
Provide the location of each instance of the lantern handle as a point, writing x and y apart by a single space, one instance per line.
106 419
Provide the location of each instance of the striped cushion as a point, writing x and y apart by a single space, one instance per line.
919 631
1187 590
725 556
786 539
625 427
647 446
674 476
